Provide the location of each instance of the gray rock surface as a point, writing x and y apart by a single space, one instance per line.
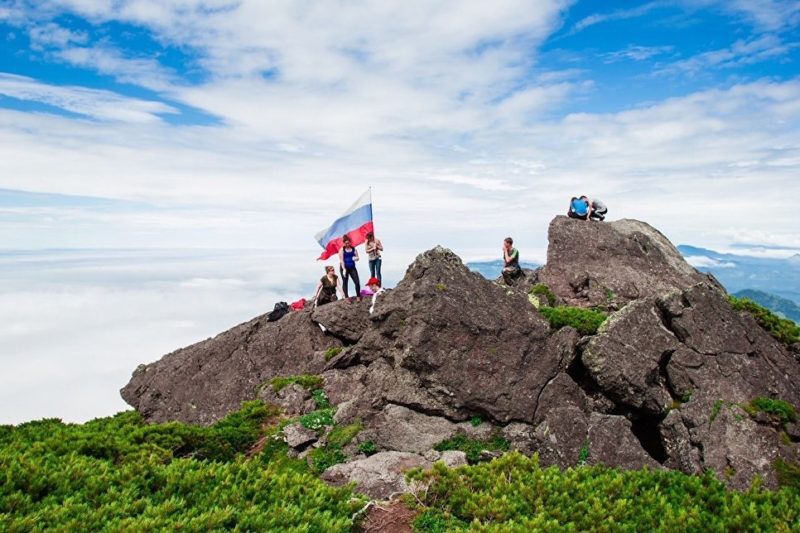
601 264
378 476
296 436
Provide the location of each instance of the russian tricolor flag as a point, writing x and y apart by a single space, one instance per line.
356 222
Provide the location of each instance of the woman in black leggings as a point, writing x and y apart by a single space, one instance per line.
348 256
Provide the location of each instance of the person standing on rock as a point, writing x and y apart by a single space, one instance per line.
348 256
328 288
374 248
511 268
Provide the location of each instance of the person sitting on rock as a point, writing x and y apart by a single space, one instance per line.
511 268
348 256
329 288
597 209
579 208
374 285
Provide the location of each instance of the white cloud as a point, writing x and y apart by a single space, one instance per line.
741 52
636 53
93 103
51 34
701 261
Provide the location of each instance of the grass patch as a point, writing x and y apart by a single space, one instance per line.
368 448
324 458
342 435
782 410
782 329
473 447
321 399
441 287
788 474
476 421
540 289
307 381
585 321
318 419
332 352
583 454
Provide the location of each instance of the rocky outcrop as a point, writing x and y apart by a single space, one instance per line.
204 382
609 264
663 384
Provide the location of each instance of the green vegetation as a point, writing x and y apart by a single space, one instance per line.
783 307
121 474
331 453
583 454
316 420
782 329
306 381
513 493
473 447
367 448
783 411
540 289
586 321
715 409
441 287
476 421
321 399
788 474
332 352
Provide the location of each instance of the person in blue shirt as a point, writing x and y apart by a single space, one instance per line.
348 256
579 208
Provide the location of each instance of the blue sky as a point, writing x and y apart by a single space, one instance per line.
236 123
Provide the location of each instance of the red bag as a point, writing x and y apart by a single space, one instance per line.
299 305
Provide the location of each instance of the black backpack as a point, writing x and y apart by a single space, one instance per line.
281 308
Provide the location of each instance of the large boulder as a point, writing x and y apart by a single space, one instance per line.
205 381
602 264
682 361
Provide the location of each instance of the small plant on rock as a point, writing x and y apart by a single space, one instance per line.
783 411
782 329
367 448
332 352
306 381
540 289
586 321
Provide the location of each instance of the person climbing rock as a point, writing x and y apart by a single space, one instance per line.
511 268
348 256
374 285
374 248
328 288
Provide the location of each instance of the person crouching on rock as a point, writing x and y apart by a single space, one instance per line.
348 256
511 270
374 286
597 209
579 208
328 288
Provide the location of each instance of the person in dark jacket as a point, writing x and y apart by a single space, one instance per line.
328 288
511 268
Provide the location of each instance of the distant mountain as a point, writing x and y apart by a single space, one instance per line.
492 269
782 306
779 277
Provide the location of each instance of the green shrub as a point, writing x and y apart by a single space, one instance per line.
540 289
306 381
332 352
367 447
342 435
476 421
513 493
586 321
473 447
788 474
324 458
316 420
121 474
784 411
321 399
782 329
